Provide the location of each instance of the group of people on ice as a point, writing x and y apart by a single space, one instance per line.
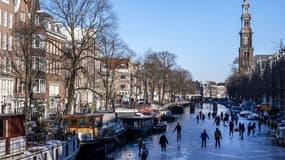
240 127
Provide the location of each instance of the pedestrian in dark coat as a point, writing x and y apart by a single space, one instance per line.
209 115
204 137
248 129
239 128
144 152
197 118
231 127
218 137
242 130
253 128
178 128
203 117
200 114
163 142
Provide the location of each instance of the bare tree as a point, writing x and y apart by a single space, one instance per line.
113 53
167 61
82 21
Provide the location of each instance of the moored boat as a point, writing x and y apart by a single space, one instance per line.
138 124
113 133
86 126
177 109
167 116
15 144
159 127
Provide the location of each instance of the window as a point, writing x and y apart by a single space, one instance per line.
39 86
5 1
10 41
39 41
123 76
6 63
73 123
22 16
37 20
82 122
4 41
4 18
123 86
36 41
0 16
123 66
20 86
16 5
54 90
10 20
64 122
36 63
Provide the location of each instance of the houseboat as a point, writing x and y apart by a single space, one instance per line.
113 133
159 127
87 126
14 142
94 136
138 124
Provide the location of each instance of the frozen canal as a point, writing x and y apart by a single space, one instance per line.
254 147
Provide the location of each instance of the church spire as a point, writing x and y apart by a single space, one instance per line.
246 60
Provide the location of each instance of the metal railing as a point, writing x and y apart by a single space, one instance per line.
18 153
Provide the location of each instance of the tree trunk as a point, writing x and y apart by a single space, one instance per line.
70 94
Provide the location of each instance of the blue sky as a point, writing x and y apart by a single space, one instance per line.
202 33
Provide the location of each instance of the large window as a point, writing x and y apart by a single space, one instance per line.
6 87
39 86
4 40
39 41
10 43
10 20
54 90
4 18
39 64
5 1
20 86
6 64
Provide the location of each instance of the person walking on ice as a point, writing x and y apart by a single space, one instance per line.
204 137
163 142
178 130
144 152
218 137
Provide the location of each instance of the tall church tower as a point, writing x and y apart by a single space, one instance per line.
246 61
